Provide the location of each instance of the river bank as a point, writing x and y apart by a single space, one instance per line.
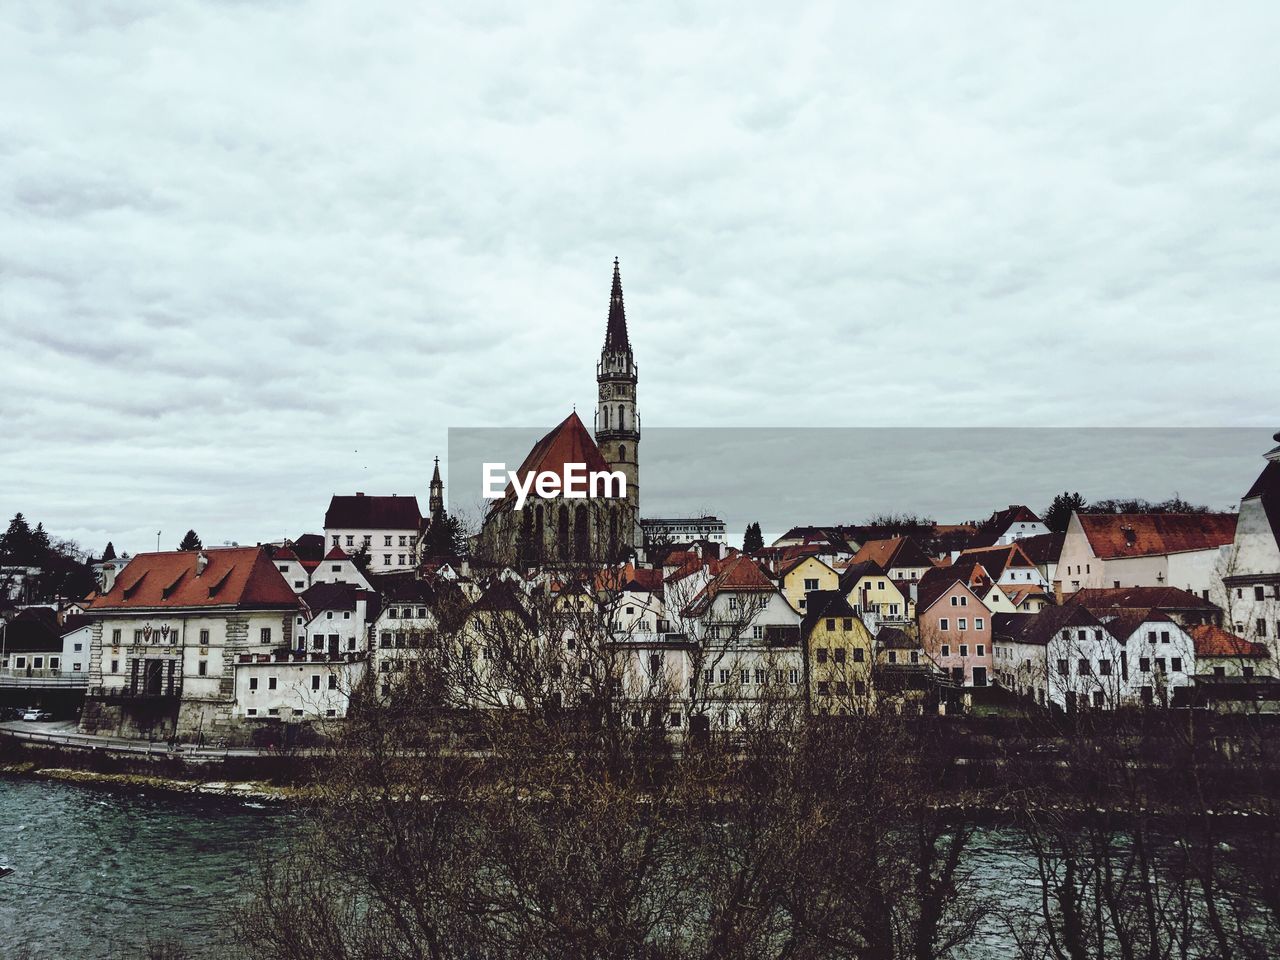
241 789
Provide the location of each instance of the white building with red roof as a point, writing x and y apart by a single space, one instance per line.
167 636
1143 550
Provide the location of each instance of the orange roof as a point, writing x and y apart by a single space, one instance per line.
738 573
894 552
1213 641
1116 535
242 577
567 442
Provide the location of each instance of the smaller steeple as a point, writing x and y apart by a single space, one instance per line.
615 335
436 503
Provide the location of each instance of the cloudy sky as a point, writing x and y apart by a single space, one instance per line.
252 254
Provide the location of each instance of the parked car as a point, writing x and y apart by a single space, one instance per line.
39 716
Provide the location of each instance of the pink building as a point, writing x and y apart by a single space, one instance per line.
955 627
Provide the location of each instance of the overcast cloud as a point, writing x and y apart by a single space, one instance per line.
252 254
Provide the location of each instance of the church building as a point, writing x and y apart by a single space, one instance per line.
555 530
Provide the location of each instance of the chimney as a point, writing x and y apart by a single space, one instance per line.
202 561
359 493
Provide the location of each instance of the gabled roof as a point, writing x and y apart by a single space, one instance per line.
373 513
241 577
894 552
331 596
1043 547
1040 628
337 553
1161 598
937 582
74 622
995 526
1123 624
825 603
1213 641
997 560
1116 535
1018 593
858 569
792 564
567 442
33 629
738 574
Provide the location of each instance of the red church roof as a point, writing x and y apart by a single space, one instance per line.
568 442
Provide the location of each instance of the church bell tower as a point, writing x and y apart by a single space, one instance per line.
617 423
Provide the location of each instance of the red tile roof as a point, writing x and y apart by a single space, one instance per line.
1116 535
894 552
567 442
241 577
999 559
738 574
1213 641
1161 598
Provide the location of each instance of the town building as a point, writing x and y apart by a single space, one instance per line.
1010 525
167 636
900 557
874 595
387 529
658 530
803 576
954 627
749 643
1187 608
1247 584
839 656
1143 550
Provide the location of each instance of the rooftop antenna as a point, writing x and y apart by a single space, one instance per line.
158 541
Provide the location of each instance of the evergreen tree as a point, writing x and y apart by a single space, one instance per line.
1059 513
191 542
109 553
444 538
18 542
753 539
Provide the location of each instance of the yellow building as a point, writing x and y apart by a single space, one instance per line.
839 656
869 590
803 576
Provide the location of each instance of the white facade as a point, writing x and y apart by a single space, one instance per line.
1080 568
1085 665
685 529
75 651
295 689
390 551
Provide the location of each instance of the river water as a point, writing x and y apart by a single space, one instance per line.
99 872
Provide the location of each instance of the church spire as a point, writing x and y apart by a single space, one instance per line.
436 504
615 335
